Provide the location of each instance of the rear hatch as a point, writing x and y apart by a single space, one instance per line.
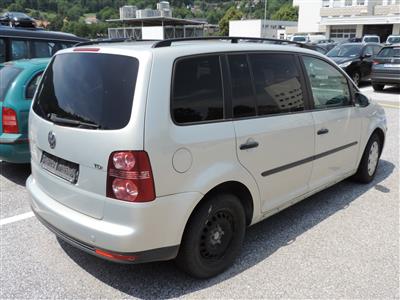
387 61
87 105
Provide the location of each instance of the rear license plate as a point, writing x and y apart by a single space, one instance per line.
62 168
391 65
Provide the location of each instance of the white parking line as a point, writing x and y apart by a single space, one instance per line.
16 218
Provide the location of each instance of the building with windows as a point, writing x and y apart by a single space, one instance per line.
260 28
343 19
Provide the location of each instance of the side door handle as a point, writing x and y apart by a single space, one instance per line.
248 145
322 131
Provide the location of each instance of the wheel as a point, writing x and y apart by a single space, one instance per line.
213 236
356 77
369 161
378 87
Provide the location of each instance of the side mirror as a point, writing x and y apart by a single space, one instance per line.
361 100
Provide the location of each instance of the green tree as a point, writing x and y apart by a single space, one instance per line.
231 14
107 13
287 12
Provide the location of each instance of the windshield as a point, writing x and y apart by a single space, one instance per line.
371 39
345 51
299 39
88 88
7 76
389 52
394 40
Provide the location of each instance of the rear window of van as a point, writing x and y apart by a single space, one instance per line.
88 88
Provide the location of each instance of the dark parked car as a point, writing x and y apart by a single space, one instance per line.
18 43
14 19
386 67
326 44
355 59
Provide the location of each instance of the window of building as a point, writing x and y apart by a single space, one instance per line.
326 3
348 3
19 49
361 2
197 90
277 83
242 88
329 86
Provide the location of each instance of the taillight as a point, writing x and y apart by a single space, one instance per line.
9 120
374 62
129 177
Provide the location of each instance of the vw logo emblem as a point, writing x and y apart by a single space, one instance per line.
52 139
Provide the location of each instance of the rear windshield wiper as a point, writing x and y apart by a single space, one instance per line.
60 120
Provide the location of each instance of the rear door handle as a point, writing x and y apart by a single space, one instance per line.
322 131
248 145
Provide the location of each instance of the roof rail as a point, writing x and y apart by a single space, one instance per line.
110 41
234 40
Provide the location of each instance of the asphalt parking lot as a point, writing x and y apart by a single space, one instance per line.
341 243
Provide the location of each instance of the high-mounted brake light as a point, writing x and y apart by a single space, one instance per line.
86 50
9 120
129 177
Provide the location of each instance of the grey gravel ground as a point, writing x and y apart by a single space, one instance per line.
340 243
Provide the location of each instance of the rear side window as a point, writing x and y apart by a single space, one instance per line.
277 83
7 76
88 87
32 85
389 52
42 48
197 90
19 49
329 86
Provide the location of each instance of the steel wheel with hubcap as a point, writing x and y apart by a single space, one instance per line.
370 160
213 236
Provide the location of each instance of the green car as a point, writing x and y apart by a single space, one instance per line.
18 82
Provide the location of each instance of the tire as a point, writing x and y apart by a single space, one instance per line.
213 237
378 87
369 161
356 76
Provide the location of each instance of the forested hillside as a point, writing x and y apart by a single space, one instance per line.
71 15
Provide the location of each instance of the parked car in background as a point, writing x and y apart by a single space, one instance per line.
386 67
19 43
371 39
240 130
326 44
355 59
393 39
17 19
299 38
18 82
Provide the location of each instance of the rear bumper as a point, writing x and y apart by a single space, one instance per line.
389 78
149 231
14 148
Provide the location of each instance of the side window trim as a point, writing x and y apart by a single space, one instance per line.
308 83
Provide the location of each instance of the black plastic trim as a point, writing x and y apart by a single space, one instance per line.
306 160
159 254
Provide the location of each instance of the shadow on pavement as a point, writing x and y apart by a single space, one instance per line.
17 173
163 280
390 90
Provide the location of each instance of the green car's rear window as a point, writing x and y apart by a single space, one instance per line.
7 76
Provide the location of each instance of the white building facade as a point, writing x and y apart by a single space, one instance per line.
343 19
259 28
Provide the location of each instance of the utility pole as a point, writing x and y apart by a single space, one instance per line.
265 10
